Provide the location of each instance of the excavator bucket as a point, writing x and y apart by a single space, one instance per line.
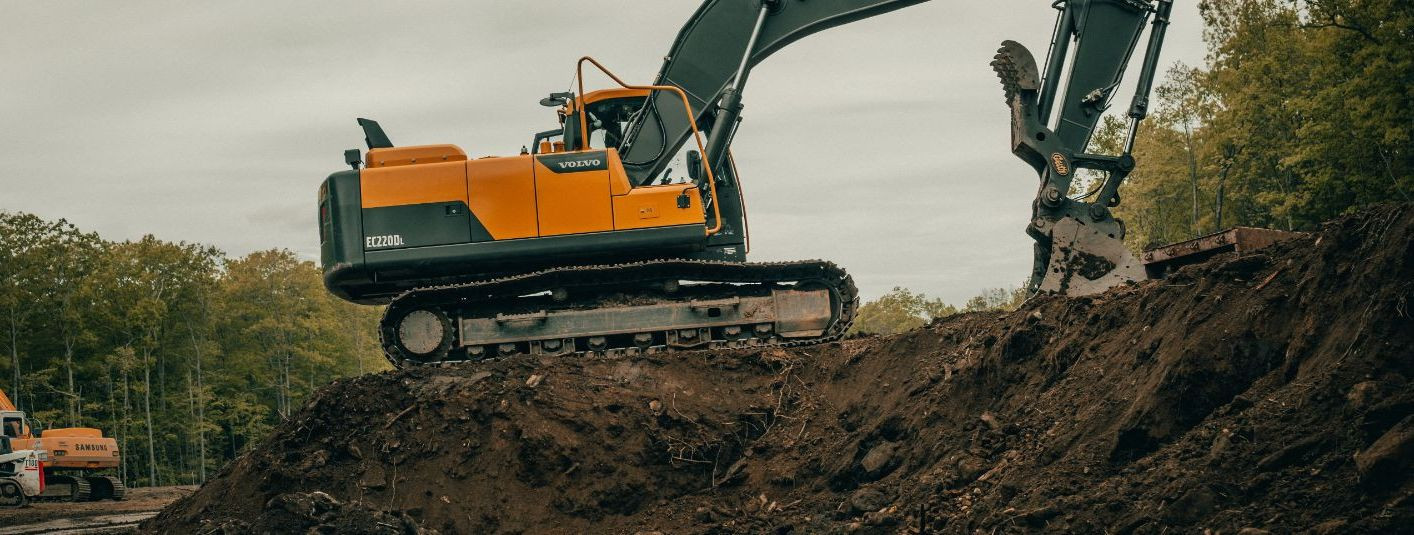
1087 259
1079 249
1079 243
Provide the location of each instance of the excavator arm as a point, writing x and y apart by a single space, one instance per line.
711 59
1079 243
1079 247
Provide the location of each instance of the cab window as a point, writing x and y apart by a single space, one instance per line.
12 427
608 121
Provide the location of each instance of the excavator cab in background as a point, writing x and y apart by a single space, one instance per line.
13 424
624 229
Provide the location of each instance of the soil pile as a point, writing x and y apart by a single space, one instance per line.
1265 392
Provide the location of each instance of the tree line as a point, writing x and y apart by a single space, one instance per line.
180 353
1302 112
903 310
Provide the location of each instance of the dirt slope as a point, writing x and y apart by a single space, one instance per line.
1270 391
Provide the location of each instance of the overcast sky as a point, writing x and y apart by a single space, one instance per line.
880 145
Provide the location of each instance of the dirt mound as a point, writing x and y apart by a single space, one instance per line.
1270 391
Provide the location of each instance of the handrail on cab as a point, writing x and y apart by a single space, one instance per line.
697 135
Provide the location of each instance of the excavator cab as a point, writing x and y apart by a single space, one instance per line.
14 425
609 112
609 115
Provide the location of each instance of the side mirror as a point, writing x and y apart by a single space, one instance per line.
556 100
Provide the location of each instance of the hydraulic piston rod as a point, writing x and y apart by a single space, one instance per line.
729 108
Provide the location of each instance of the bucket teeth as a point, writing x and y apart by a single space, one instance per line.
1016 68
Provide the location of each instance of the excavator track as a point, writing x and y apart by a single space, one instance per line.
643 307
120 491
106 488
66 488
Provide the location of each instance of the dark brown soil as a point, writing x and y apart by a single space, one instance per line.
1270 391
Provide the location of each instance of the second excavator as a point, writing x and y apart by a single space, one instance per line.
75 456
623 229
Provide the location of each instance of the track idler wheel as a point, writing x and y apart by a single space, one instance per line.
421 335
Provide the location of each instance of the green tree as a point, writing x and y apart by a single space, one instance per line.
898 311
150 289
278 320
1301 114
181 354
997 299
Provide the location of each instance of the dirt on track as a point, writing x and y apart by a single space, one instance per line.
1270 391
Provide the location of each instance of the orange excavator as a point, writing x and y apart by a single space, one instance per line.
74 456
623 228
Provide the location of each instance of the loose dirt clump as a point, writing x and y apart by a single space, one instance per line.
1264 392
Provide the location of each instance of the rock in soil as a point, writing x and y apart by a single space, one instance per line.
1391 457
1269 393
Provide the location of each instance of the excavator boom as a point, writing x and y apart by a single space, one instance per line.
713 54
1079 247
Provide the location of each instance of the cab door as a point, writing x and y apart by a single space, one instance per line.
572 193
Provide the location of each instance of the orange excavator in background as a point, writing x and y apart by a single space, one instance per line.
74 456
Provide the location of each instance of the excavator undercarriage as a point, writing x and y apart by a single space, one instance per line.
82 488
643 307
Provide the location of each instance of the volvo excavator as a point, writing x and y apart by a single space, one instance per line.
623 229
